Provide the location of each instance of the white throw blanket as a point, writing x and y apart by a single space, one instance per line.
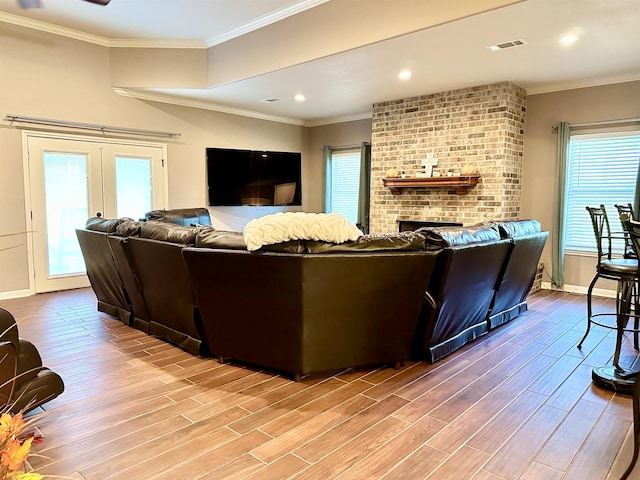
280 227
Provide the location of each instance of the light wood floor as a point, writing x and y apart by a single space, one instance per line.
516 404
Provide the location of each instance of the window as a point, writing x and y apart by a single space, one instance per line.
347 183
601 169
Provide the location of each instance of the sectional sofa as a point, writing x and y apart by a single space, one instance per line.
305 306
297 307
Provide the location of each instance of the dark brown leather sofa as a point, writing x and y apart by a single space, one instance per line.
481 281
101 268
318 307
116 287
217 297
152 252
24 383
510 299
461 289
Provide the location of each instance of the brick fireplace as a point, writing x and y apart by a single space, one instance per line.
479 126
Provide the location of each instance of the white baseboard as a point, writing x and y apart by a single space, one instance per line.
15 294
598 292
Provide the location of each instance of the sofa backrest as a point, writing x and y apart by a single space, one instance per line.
101 268
520 269
181 216
161 273
308 312
461 288
516 228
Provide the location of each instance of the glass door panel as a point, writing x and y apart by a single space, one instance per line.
133 186
67 208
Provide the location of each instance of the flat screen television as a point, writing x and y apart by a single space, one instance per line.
251 177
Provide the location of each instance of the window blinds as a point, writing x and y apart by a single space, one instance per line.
344 178
601 169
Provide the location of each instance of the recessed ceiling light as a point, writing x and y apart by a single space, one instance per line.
404 75
300 98
568 39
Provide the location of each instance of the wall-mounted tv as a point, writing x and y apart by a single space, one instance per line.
249 177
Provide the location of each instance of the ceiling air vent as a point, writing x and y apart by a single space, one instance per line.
502 46
271 100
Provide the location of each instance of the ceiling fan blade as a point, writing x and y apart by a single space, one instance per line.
29 3
99 2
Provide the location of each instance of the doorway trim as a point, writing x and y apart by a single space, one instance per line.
26 134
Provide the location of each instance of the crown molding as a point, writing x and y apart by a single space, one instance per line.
264 21
159 43
340 119
186 102
152 43
593 82
55 29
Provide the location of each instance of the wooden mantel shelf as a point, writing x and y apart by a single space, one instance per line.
460 184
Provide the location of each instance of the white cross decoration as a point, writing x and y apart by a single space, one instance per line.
428 164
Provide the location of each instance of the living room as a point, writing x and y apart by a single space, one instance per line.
49 75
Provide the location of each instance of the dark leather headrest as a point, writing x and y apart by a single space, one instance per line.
455 236
181 216
220 239
371 243
517 228
106 225
169 232
129 228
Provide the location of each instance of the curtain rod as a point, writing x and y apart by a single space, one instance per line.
602 123
87 126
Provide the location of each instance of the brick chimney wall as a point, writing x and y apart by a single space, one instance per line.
479 126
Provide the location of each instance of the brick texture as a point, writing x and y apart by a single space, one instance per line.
479 126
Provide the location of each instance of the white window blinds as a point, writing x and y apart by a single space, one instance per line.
601 169
343 183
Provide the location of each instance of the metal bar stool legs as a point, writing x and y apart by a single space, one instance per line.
636 428
589 308
625 291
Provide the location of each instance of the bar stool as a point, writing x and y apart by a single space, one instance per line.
625 272
628 245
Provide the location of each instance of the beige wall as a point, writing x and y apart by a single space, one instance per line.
336 135
44 75
582 105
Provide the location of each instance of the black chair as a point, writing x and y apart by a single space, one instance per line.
628 246
24 382
622 270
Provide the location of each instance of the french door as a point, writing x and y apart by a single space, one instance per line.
74 178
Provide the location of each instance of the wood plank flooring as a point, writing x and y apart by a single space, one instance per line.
516 404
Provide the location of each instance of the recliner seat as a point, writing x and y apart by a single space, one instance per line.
24 382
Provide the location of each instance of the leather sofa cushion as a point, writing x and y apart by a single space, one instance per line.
220 239
169 232
371 243
130 228
439 237
235 241
518 228
105 225
181 216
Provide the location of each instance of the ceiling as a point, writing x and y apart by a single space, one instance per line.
345 55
